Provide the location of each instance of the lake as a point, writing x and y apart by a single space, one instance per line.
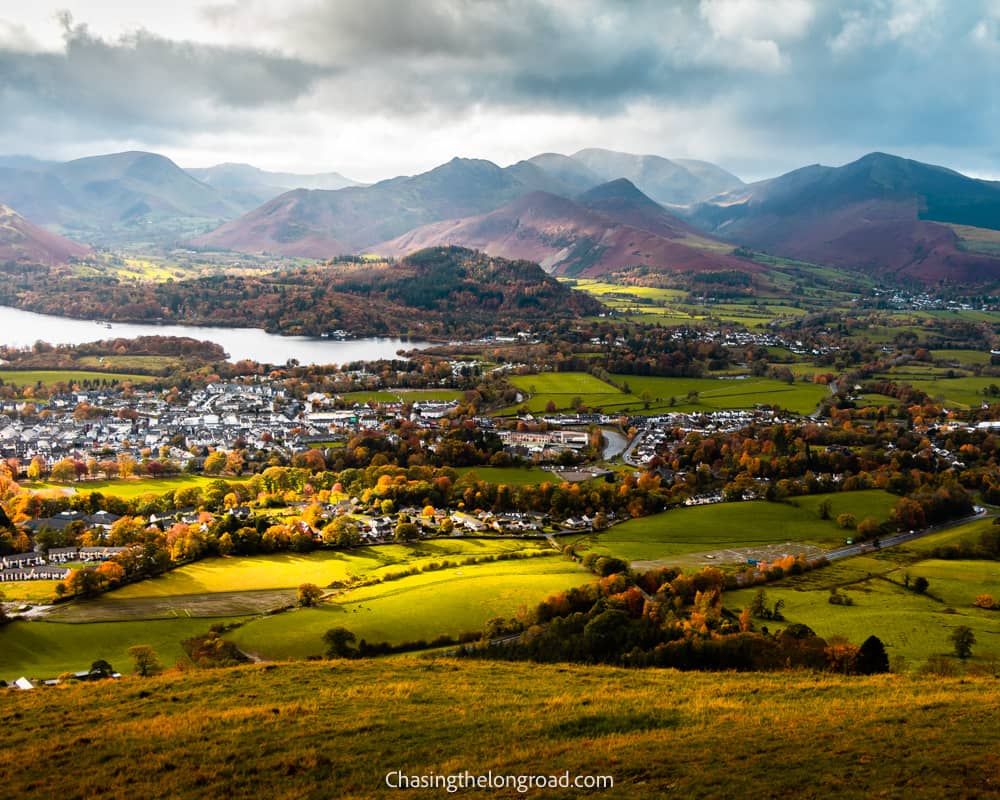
23 328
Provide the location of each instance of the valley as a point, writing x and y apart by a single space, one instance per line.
543 418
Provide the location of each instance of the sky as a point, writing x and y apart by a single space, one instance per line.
378 88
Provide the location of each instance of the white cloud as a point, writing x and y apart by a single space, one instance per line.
775 20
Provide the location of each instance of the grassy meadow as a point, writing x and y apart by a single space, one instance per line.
512 476
130 488
46 649
423 606
734 526
50 377
911 625
402 395
650 395
335 729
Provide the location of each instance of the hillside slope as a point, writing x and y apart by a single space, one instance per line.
24 242
115 198
608 228
338 728
881 214
322 224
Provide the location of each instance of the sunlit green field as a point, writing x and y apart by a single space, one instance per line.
735 525
132 488
288 570
47 649
144 363
911 625
964 391
50 377
970 357
512 476
646 395
715 394
424 606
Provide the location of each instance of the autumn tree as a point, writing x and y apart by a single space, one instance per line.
63 470
215 462
847 521
868 527
144 660
986 601
341 532
406 532
126 465
309 594
36 468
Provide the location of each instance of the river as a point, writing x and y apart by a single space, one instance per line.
615 443
23 328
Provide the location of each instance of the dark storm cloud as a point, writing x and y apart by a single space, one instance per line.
781 82
143 80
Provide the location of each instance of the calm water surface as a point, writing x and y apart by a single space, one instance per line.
23 328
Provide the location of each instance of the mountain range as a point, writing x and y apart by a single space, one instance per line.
121 198
607 228
591 213
251 186
884 215
320 223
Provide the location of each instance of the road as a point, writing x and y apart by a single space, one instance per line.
627 452
901 538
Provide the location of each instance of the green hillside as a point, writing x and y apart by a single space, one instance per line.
335 729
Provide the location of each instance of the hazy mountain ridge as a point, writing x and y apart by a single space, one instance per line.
120 195
670 181
327 223
256 186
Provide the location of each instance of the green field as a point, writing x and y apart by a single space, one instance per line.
287 570
965 357
911 625
652 305
46 649
726 526
965 391
423 606
715 394
402 395
29 591
49 377
647 395
511 476
145 363
129 489
335 729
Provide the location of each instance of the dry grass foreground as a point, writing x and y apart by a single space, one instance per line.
334 729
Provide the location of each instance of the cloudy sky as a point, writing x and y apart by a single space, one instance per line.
376 88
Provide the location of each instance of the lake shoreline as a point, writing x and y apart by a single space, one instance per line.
21 328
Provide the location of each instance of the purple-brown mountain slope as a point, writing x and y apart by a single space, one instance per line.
609 228
328 223
884 215
24 242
